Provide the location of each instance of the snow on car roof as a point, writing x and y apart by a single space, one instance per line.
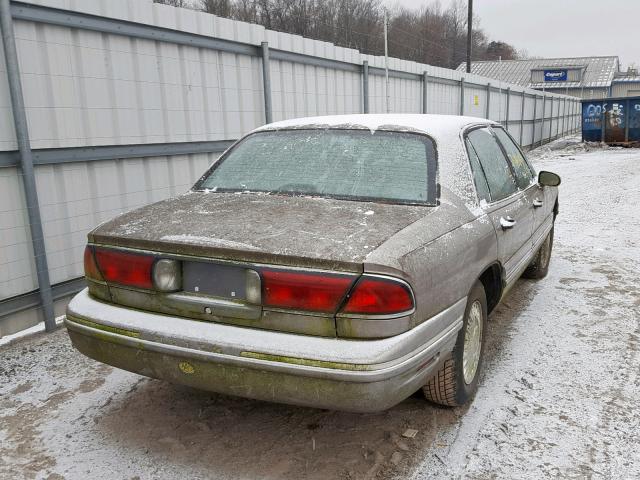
438 126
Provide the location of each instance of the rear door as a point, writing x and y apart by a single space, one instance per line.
507 206
540 200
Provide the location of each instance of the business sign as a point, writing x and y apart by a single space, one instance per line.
555 75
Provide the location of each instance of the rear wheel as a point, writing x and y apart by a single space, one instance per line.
457 381
539 266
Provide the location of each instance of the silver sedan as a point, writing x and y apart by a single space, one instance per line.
337 262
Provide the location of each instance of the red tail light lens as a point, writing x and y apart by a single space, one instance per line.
125 268
379 296
304 291
91 270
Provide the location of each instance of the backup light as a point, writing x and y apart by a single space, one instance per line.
167 275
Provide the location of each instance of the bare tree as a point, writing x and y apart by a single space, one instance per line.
496 50
174 3
429 35
221 8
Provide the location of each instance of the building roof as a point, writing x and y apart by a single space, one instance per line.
627 79
599 71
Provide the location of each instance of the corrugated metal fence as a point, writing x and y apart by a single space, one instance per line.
127 102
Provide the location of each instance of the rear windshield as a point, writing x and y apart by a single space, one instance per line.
385 166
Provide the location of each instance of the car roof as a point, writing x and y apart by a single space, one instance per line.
440 127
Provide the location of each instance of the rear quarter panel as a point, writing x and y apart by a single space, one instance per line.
444 270
441 256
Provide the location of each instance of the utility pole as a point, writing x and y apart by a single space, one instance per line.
500 89
469 33
386 58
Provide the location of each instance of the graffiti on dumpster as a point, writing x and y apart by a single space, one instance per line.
592 116
616 115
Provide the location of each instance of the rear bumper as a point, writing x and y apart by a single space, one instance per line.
354 375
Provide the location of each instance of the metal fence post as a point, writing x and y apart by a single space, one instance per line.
535 112
522 117
365 87
266 81
544 112
578 116
564 114
26 164
488 109
506 120
551 134
573 117
462 96
425 87
558 121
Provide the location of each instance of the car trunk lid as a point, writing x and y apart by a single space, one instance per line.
310 232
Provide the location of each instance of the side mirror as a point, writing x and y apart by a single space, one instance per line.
548 179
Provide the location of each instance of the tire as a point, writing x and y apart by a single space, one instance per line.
539 266
450 386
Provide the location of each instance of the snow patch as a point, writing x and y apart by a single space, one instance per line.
7 339
212 242
432 124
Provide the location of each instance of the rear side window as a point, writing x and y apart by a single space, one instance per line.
478 175
524 175
494 164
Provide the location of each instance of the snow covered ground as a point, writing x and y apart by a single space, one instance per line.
558 395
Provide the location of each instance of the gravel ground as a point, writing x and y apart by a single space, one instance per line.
558 395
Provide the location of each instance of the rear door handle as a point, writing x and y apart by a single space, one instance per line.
507 223
537 203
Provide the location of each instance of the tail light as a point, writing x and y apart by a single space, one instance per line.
304 291
371 295
378 296
124 268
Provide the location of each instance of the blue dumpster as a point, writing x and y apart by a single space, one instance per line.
611 120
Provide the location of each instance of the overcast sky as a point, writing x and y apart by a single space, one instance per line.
559 28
